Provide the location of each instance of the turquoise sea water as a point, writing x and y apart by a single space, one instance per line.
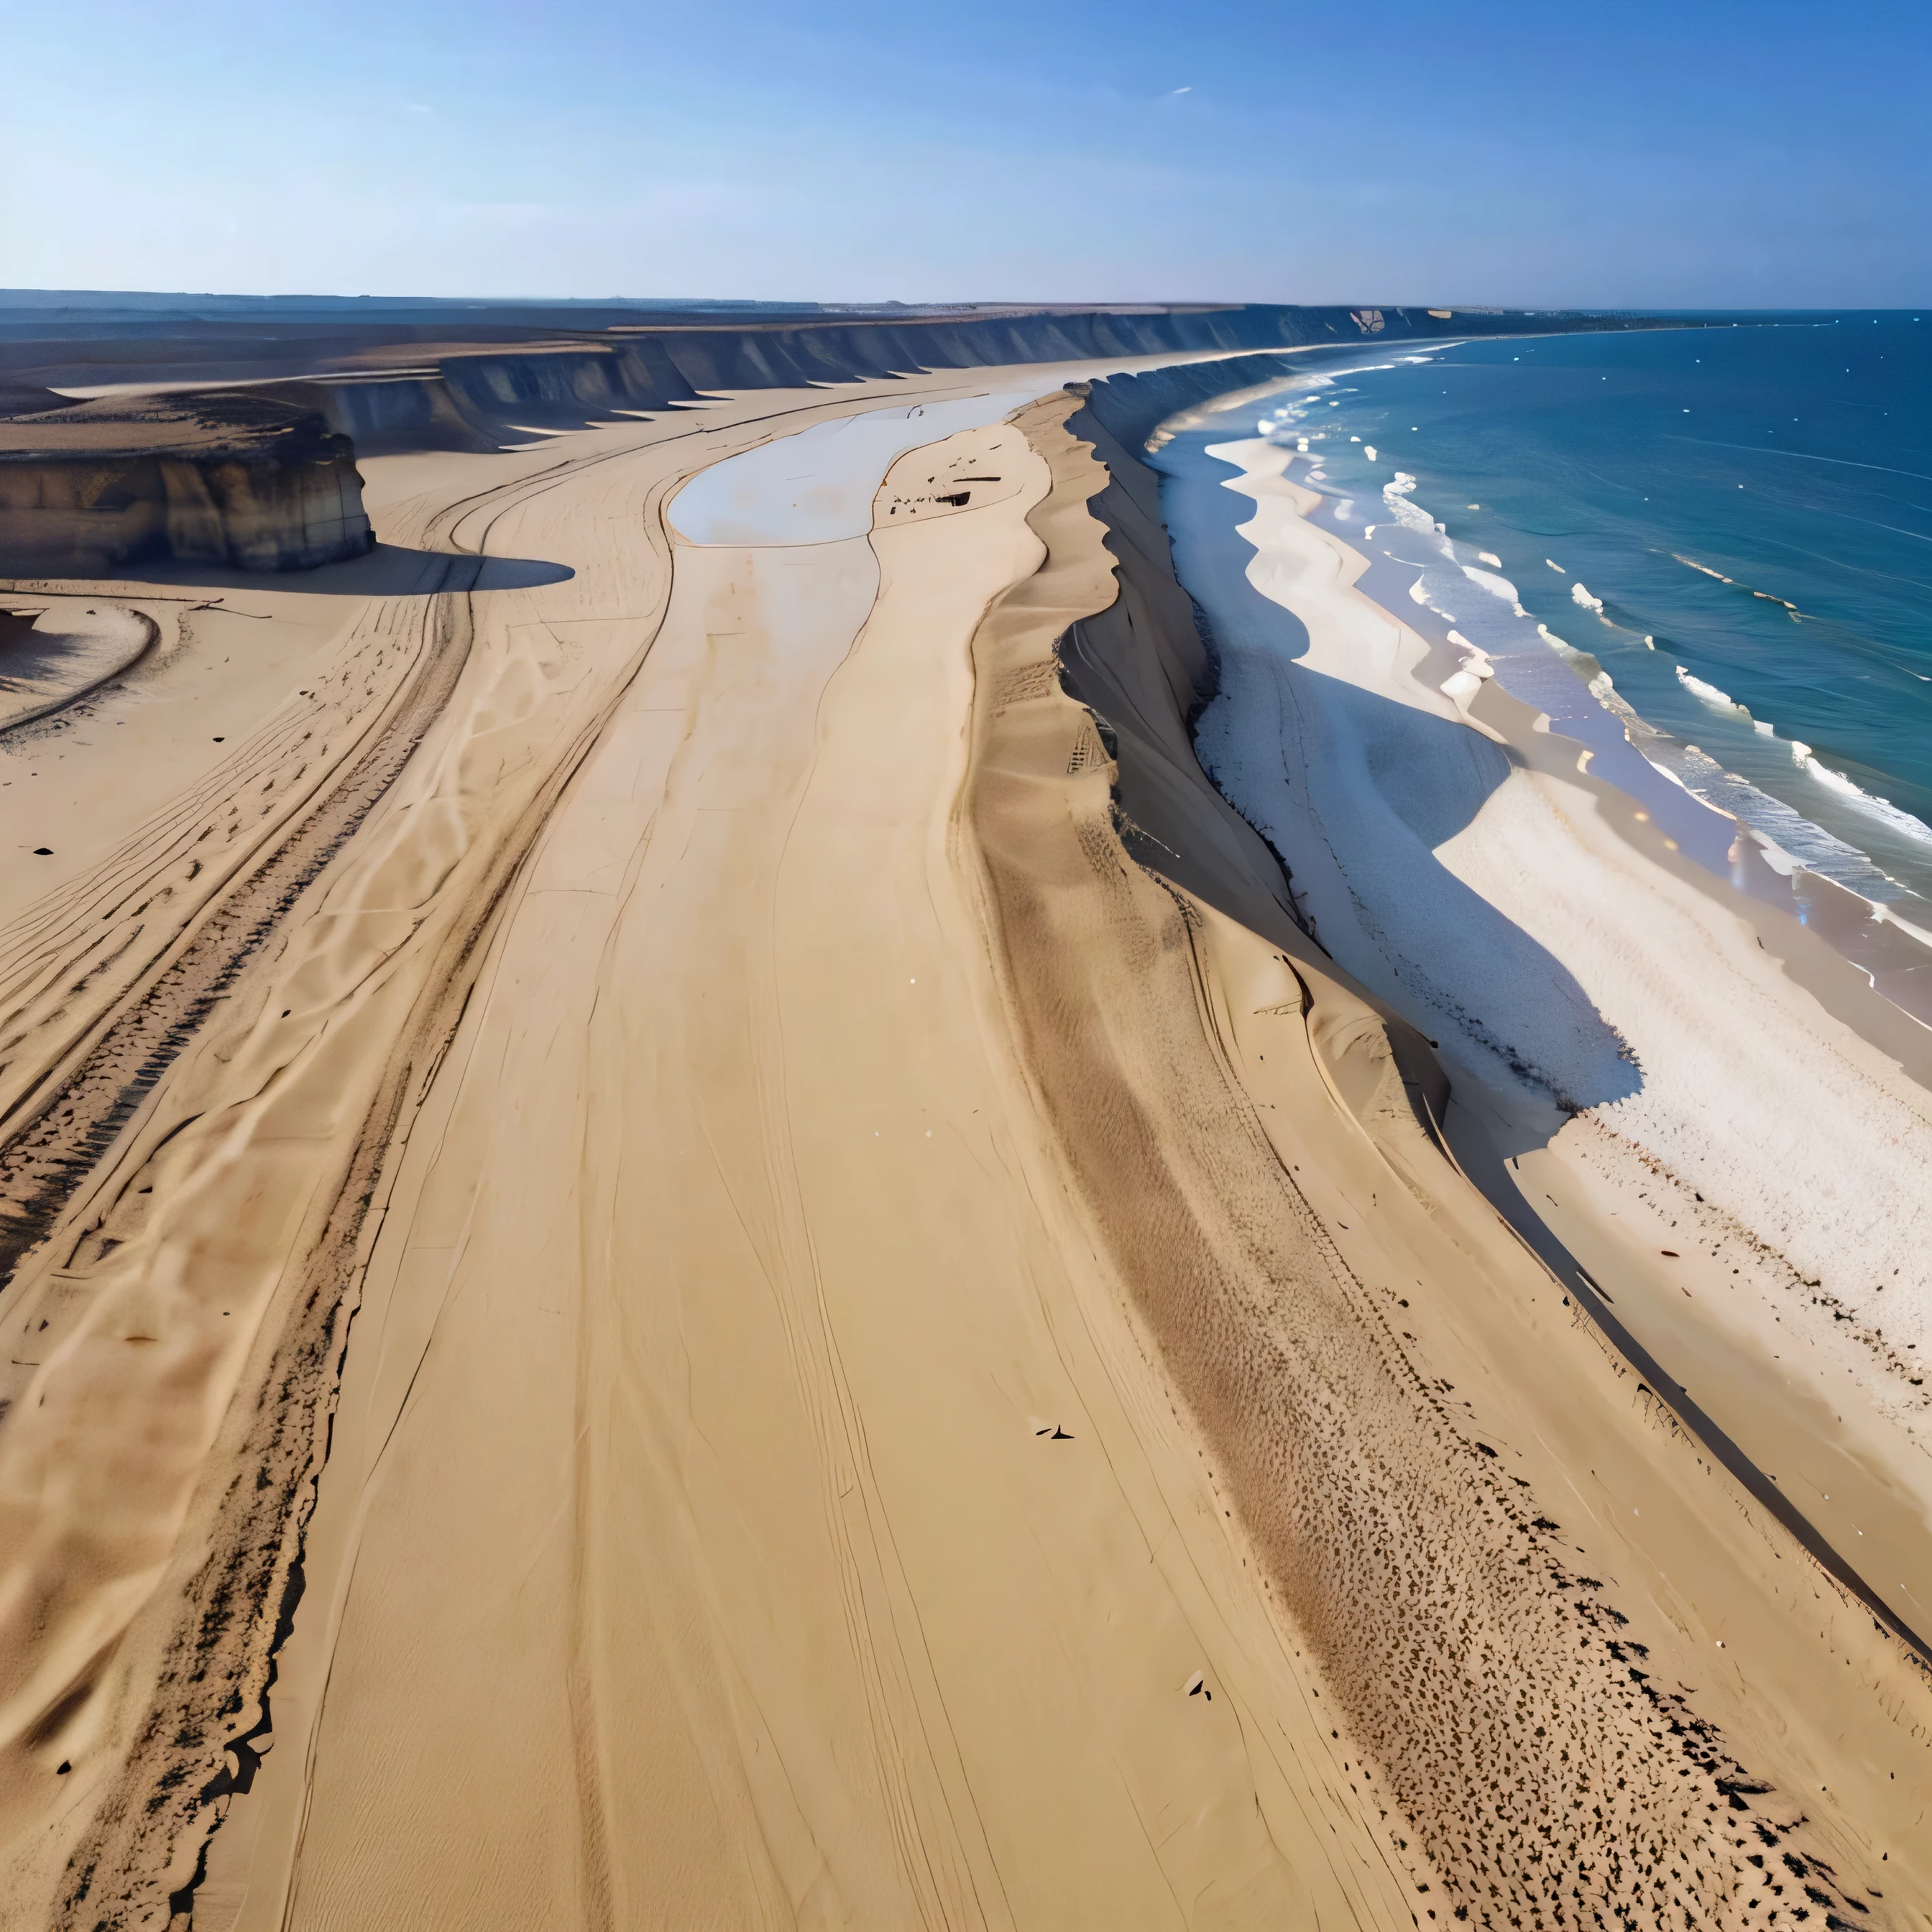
1734 524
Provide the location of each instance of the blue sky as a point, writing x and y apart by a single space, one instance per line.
1632 153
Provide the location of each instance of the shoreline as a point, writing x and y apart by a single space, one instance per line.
1876 1466
1484 1319
1829 812
1725 857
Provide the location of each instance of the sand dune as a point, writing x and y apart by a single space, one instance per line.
675 1281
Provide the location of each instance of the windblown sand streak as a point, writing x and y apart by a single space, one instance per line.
42 1168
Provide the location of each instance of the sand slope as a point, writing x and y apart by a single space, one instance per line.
1439 1467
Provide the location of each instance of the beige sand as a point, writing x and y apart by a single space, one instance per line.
905 1373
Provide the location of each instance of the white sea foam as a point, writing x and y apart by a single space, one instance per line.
1919 932
1880 808
1795 839
1500 587
1210 414
1709 693
1638 730
1491 649
1412 516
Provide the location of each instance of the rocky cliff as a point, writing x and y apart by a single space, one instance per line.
409 376
479 395
231 477
264 476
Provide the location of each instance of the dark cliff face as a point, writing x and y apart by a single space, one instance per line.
253 482
404 376
1146 664
473 395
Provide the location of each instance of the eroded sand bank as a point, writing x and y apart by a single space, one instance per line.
906 1369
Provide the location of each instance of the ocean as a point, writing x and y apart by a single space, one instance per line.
1726 532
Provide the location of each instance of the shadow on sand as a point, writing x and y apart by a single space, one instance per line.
389 570
1358 792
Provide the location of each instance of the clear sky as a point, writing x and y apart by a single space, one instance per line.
1668 153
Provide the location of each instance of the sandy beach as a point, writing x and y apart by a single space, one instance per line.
690 1251
1621 973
